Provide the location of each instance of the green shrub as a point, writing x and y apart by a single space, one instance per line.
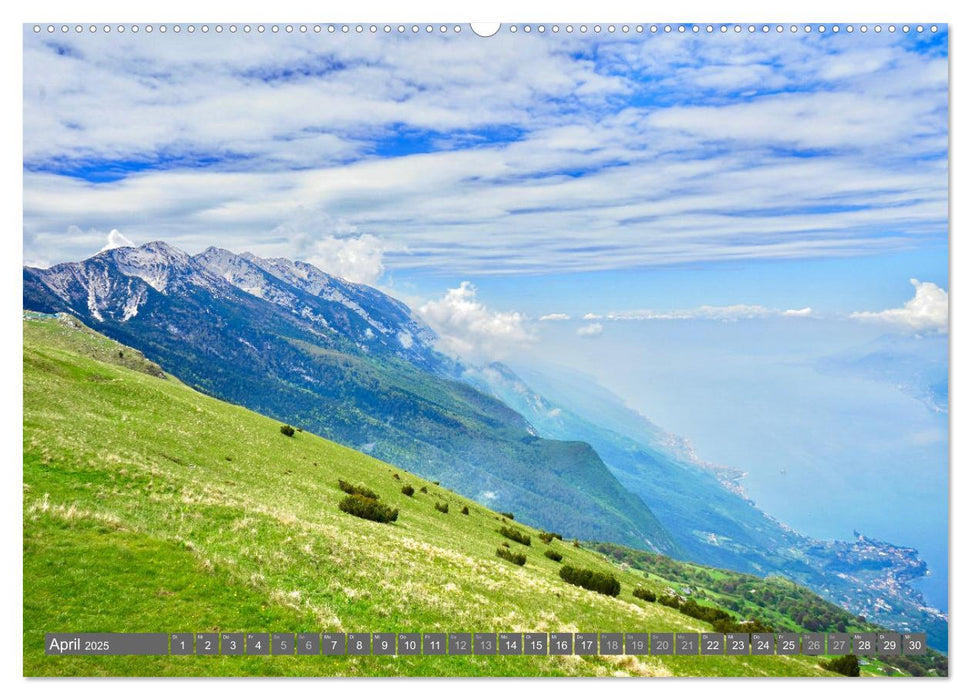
368 508
672 601
576 543
515 535
731 625
465 510
408 490
547 537
645 594
424 489
441 507
350 488
847 665
705 612
507 515
591 580
514 557
555 556
287 430
505 544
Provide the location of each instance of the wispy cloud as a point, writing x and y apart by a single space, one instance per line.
555 317
574 153
735 312
116 239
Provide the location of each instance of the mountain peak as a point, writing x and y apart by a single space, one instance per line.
156 263
112 285
161 247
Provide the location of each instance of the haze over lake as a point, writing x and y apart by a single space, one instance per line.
826 452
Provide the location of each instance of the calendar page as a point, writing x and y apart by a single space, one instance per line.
546 349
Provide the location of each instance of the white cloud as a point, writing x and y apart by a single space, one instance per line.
468 329
705 176
116 240
735 312
358 259
590 331
591 317
555 317
927 311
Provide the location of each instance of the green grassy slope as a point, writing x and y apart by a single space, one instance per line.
151 507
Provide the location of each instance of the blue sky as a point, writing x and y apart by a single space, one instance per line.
500 184
559 173
517 154
695 221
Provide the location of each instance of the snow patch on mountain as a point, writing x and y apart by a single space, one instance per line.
115 284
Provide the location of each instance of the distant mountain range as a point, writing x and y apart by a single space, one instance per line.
354 365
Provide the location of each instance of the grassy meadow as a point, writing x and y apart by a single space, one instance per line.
149 507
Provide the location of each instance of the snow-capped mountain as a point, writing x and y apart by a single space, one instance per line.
118 284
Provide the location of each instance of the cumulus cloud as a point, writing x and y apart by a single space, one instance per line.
591 317
470 330
926 311
358 259
590 331
116 240
555 317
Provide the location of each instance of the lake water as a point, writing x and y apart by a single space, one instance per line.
825 453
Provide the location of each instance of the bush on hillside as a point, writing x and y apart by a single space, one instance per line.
465 510
645 594
359 490
672 601
408 490
555 556
514 557
368 508
507 515
847 665
704 612
441 507
287 430
515 535
591 580
725 626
